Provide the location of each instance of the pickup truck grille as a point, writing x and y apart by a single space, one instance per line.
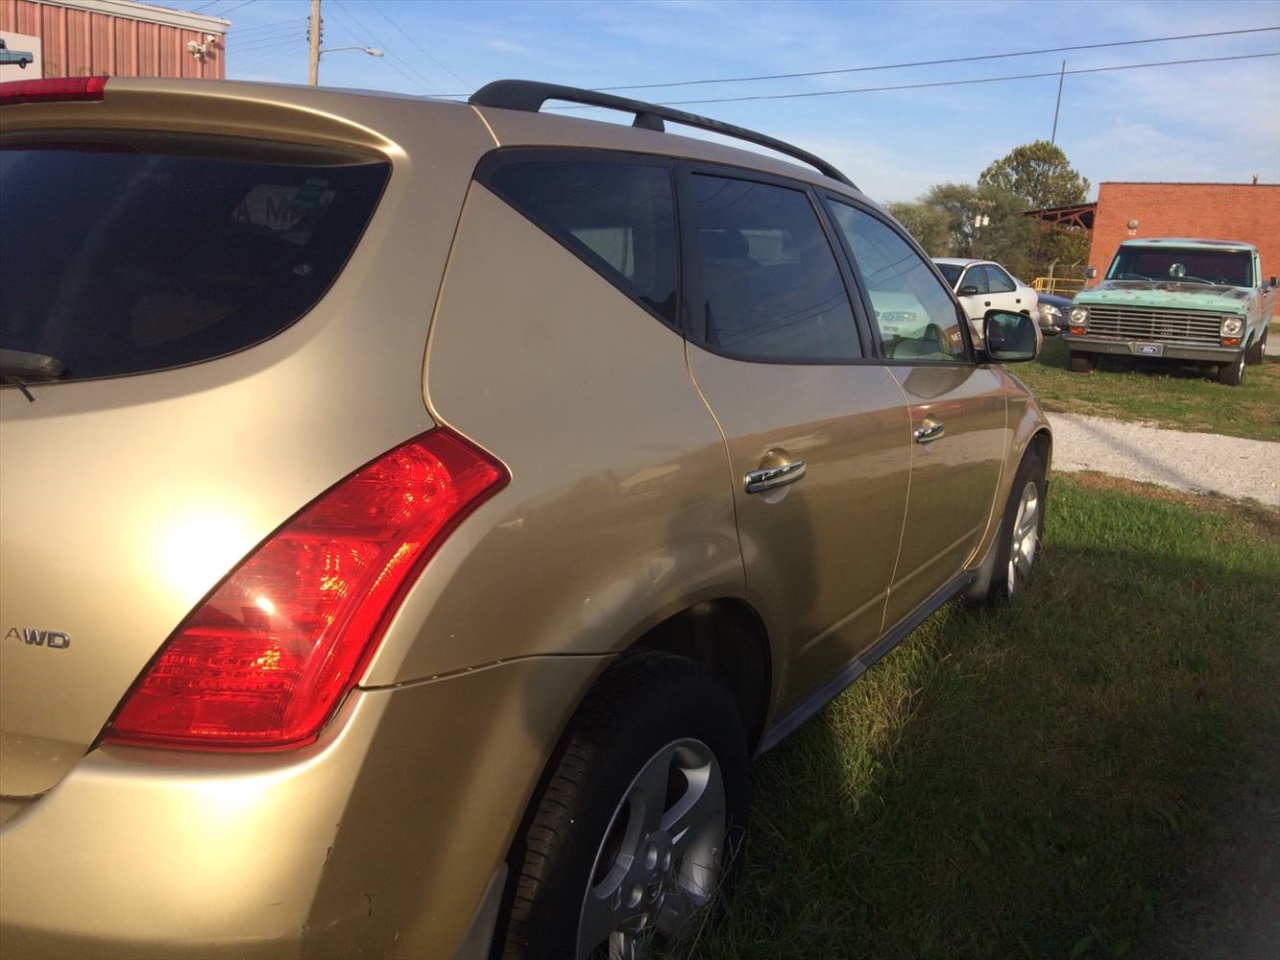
1154 323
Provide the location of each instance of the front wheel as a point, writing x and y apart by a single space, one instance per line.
1257 352
1081 362
1232 373
1020 530
632 834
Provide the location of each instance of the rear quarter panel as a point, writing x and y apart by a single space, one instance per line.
619 512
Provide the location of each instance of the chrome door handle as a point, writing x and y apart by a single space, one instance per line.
772 477
930 430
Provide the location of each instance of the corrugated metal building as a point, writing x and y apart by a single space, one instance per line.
78 38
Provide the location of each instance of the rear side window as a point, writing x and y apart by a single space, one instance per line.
129 257
615 214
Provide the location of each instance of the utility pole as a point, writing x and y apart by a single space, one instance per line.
314 78
1053 138
980 220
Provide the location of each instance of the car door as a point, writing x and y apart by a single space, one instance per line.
1005 293
816 432
959 432
973 293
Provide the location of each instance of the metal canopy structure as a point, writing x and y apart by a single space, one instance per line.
1076 216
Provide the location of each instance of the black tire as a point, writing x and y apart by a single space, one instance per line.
588 858
1081 362
1257 352
1232 373
1021 530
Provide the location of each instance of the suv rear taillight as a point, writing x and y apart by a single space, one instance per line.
53 89
264 662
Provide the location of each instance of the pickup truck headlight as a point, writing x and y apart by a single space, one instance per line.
1232 327
1079 320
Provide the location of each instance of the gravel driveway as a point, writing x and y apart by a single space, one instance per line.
1198 462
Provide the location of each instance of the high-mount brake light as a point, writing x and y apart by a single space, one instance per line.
52 90
265 661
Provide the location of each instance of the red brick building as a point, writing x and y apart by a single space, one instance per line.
1219 211
120 38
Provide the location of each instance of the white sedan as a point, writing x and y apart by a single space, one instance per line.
982 285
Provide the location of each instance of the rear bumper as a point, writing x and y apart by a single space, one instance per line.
1137 348
384 839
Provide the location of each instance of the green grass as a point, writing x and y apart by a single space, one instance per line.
1093 772
1176 397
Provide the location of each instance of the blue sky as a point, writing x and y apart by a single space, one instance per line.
1198 122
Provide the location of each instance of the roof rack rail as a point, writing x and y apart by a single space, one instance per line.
530 95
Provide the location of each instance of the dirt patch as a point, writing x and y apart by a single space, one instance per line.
1260 519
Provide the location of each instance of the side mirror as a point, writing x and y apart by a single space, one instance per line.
1091 273
1009 337
1273 283
967 291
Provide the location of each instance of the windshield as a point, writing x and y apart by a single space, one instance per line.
124 257
1188 264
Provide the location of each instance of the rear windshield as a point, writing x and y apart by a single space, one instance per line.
127 257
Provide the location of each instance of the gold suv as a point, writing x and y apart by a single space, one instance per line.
416 514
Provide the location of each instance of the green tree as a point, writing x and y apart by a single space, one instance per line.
1041 176
958 220
1039 173
928 224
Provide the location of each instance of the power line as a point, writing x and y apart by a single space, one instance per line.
421 49
292 35
355 26
244 3
394 60
265 28
934 63
272 42
961 83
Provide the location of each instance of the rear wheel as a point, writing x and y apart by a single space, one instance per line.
631 836
1081 362
1232 373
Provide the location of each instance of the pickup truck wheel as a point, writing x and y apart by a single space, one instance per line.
631 838
1257 351
1232 373
1081 362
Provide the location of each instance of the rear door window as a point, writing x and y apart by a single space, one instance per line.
770 285
998 281
125 256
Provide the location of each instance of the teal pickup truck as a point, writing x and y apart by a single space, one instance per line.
1187 301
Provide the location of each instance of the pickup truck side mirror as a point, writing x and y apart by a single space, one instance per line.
1091 273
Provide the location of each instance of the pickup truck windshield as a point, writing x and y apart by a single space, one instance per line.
1233 268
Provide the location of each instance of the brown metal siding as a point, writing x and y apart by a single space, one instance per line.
80 43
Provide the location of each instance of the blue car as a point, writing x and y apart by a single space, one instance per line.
20 57
1052 314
